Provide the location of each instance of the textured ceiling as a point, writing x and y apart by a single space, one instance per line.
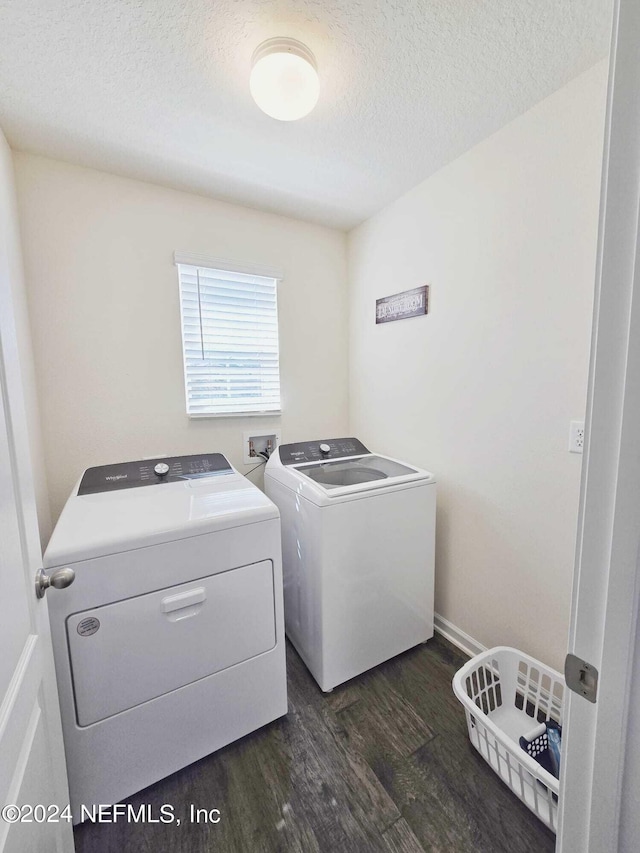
158 89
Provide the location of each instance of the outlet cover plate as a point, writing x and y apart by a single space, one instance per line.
576 436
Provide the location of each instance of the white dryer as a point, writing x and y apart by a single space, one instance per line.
358 536
169 643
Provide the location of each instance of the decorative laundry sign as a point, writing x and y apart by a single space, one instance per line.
401 306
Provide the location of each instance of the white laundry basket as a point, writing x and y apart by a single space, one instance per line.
505 693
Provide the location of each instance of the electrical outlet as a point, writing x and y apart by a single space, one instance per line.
576 436
256 442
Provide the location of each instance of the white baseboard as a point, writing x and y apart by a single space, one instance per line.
457 636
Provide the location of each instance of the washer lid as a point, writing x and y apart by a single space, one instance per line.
334 481
108 522
354 472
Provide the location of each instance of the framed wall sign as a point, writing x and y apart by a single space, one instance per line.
401 306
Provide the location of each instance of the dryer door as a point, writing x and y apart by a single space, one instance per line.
129 652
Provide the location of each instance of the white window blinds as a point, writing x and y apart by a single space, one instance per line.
230 341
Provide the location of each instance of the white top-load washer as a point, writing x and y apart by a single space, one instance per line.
169 643
358 536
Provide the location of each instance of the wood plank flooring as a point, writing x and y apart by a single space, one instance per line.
381 764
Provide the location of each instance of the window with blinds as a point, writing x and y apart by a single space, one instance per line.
230 341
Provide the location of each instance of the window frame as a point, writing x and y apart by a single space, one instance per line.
230 266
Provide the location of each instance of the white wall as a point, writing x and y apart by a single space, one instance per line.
103 301
11 265
482 390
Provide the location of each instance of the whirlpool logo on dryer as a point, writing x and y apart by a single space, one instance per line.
115 477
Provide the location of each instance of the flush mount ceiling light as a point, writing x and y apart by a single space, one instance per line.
284 79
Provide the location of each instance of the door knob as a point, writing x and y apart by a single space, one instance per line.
60 579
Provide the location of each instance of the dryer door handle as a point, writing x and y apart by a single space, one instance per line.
183 599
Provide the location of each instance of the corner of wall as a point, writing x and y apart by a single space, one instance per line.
35 449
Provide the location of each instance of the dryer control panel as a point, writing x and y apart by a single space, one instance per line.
152 472
317 451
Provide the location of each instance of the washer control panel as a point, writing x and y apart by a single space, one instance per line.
318 451
151 472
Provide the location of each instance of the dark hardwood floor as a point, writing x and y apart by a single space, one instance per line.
381 764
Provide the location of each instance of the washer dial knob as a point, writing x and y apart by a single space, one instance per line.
161 469
325 449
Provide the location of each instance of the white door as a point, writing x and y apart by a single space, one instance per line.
599 752
32 767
